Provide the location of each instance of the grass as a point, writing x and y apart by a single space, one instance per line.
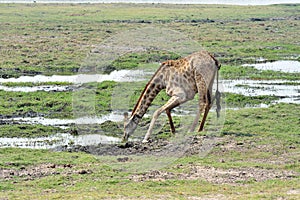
41 103
31 84
239 101
58 39
241 72
274 120
246 142
28 130
93 99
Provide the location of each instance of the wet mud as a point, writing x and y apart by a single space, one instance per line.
182 146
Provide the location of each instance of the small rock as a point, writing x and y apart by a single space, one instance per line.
67 165
52 166
83 171
125 159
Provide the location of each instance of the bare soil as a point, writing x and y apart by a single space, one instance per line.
177 146
42 170
200 145
217 175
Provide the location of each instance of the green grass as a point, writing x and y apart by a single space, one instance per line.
241 72
50 104
57 39
16 158
31 84
239 101
280 119
28 130
246 142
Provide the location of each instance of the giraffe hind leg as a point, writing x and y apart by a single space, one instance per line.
196 121
207 108
204 102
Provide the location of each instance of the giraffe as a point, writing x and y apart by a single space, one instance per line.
182 79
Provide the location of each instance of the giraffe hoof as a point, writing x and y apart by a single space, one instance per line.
145 141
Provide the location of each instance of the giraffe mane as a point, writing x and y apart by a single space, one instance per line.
147 85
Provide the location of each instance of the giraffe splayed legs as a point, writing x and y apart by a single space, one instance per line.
182 79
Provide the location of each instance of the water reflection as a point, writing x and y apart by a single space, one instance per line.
118 76
288 91
288 66
57 140
113 116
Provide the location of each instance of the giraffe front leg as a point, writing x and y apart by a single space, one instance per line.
172 127
174 101
203 118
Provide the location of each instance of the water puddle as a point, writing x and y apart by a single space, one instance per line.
46 88
57 140
61 139
289 92
288 66
118 76
65 123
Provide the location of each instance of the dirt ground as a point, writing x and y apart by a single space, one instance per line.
178 146
191 145
218 176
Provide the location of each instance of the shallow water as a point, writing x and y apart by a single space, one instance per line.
289 93
57 140
118 76
61 139
288 66
46 88
114 116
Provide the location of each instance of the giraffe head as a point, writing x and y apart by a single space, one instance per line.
129 126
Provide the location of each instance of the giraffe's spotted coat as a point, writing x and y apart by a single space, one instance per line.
182 79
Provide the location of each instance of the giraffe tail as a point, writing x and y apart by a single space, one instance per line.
218 93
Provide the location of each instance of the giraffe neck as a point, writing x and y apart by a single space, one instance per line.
153 87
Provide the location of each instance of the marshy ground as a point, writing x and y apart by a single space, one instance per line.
253 154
